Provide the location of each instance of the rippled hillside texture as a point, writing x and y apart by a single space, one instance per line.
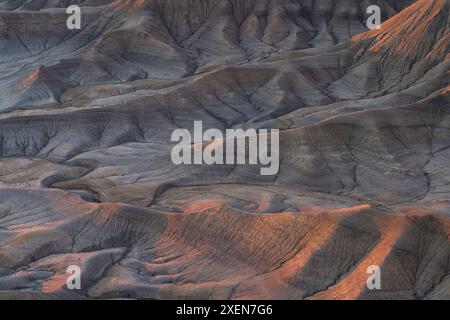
86 176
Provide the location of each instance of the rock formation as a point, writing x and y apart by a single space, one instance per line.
86 176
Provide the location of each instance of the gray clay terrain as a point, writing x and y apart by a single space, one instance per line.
86 176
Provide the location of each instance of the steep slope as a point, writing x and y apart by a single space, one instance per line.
216 253
127 40
86 176
408 49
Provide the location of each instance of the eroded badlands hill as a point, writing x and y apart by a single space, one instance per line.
86 176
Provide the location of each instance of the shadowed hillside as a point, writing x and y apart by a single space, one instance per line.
86 176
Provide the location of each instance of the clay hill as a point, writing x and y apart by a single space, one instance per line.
86 176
